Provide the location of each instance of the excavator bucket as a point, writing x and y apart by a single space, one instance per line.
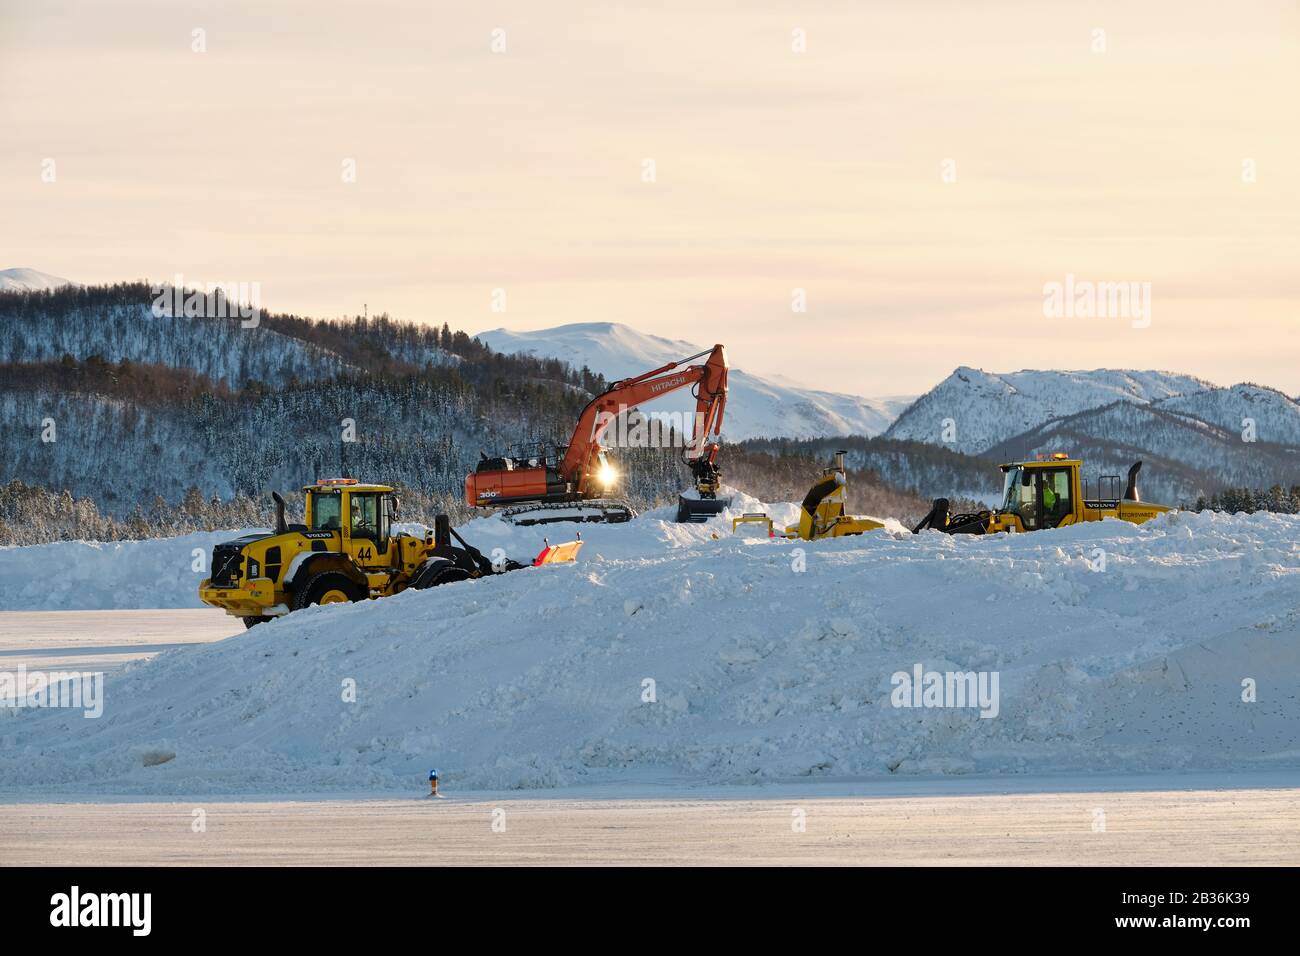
699 510
558 553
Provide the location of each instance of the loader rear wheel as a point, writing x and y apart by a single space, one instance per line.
328 587
253 619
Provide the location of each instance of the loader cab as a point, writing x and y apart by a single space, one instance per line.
1039 494
361 516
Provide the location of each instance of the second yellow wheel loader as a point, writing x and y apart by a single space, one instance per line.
1048 493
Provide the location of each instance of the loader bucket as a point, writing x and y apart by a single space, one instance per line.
699 510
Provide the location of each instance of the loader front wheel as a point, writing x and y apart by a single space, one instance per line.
435 576
328 587
253 620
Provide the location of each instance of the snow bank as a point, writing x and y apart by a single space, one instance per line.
94 575
760 671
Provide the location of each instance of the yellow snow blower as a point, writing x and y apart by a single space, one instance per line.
821 514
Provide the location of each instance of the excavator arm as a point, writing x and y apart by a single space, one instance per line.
582 459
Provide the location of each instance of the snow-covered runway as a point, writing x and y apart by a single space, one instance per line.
944 822
104 640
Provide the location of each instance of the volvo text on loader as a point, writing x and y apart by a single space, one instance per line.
1047 494
346 551
572 482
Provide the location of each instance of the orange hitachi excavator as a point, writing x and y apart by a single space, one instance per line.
567 483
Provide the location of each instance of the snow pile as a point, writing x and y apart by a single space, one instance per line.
90 575
669 654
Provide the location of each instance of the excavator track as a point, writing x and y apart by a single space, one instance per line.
596 510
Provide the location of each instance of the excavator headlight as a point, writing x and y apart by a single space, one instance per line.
607 475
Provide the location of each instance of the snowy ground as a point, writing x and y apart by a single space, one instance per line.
762 672
1187 820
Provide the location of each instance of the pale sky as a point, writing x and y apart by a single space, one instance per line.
774 170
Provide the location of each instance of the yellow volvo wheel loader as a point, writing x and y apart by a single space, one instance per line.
346 551
1047 494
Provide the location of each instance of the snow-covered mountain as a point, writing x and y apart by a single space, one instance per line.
757 407
1264 414
20 280
1185 456
972 410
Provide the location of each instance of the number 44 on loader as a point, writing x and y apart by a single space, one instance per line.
346 551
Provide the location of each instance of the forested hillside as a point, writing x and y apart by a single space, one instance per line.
110 403
122 422
1185 458
922 471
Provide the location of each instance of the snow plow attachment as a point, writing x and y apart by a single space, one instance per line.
699 510
753 518
565 553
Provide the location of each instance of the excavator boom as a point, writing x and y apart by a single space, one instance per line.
710 380
582 474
